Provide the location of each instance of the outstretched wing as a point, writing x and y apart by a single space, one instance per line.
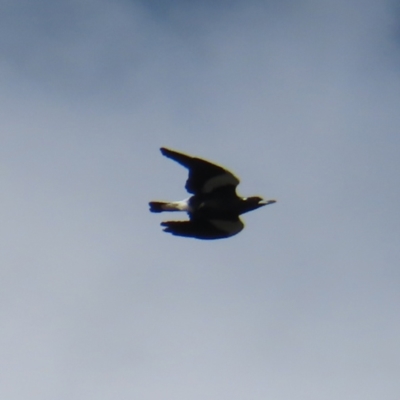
204 228
204 177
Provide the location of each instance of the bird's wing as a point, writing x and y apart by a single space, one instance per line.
204 177
201 228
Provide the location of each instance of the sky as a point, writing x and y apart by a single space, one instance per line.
299 99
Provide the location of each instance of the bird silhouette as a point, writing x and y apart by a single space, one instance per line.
214 207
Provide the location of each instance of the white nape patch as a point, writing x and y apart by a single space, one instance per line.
219 181
230 227
182 205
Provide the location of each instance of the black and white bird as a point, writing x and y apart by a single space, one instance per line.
214 207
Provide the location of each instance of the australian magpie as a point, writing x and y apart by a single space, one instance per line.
214 206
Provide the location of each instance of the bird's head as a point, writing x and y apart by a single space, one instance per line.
252 203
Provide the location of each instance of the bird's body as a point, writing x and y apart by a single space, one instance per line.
214 206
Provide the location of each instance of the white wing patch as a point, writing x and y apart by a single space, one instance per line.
219 181
230 227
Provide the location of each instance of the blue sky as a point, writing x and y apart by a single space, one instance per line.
300 100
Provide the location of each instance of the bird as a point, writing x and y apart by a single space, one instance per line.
213 207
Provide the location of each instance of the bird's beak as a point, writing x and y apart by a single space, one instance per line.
266 202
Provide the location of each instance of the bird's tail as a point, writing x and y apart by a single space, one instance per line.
157 206
160 206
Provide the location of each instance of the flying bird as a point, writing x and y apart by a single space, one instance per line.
214 207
